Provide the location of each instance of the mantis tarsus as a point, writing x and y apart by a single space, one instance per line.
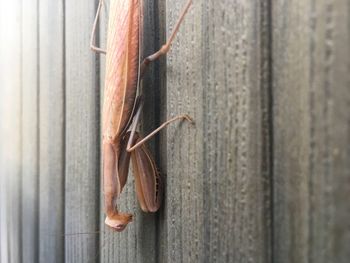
122 107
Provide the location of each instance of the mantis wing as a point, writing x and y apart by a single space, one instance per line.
148 182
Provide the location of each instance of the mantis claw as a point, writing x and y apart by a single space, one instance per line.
188 118
118 222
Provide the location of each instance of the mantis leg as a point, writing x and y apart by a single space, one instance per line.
113 183
166 47
93 33
149 136
116 162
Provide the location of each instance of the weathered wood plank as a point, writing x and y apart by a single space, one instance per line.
311 55
82 135
52 131
10 128
138 242
30 131
217 190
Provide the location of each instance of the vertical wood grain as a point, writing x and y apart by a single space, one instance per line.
30 131
267 85
82 135
311 69
52 131
10 128
217 190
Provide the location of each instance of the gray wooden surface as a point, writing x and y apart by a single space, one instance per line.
51 130
311 83
262 176
217 198
81 134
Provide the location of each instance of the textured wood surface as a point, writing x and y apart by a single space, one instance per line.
262 176
30 131
81 135
52 131
217 194
311 69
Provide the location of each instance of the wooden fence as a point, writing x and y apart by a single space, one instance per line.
263 176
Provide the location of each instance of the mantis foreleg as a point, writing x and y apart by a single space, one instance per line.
93 32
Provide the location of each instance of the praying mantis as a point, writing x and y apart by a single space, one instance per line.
122 107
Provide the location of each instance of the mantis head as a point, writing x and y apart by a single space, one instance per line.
118 222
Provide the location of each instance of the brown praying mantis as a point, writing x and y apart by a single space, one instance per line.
122 108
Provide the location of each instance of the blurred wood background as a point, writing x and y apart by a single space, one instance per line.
263 176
